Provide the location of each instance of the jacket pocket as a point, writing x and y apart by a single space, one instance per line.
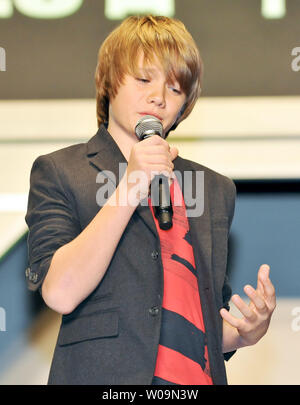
95 325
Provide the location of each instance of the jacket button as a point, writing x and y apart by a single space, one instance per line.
154 254
154 311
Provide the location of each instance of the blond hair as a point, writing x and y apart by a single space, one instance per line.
157 37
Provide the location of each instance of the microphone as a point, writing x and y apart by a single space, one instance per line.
148 126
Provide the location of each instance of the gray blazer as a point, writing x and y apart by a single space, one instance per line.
113 335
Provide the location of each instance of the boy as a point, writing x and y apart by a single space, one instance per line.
140 305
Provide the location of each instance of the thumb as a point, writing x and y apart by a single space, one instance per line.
174 152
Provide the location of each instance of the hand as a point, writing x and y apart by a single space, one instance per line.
148 158
257 315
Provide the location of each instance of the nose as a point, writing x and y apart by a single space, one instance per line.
157 96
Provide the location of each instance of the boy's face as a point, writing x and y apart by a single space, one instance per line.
149 92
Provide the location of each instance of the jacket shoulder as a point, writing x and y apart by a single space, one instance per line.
66 161
220 190
211 175
70 151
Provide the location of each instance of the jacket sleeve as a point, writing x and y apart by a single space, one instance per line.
226 290
50 218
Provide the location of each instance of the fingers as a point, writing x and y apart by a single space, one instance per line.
157 151
265 286
160 145
256 315
262 275
174 152
243 307
232 320
256 298
155 140
154 157
251 317
258 302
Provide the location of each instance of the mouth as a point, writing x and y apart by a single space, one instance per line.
154 115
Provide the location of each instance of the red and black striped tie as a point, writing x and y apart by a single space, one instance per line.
182 353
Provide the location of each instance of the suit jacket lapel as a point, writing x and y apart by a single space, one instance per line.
104 153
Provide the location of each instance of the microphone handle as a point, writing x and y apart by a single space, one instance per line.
164 211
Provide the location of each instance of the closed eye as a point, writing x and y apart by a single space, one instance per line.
140 79
175 90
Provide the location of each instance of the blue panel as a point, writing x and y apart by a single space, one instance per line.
266 229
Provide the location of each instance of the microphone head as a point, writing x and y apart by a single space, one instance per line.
147 126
